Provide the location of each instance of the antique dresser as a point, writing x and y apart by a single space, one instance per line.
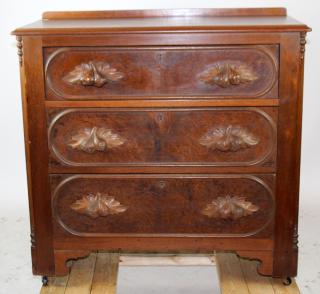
163 131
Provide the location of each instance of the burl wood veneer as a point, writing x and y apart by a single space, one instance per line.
163 130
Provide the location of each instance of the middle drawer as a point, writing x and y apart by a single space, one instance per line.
217 137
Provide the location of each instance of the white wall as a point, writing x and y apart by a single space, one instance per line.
16 13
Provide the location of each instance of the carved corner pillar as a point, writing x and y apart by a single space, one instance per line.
295 238
20 50
33 238
303 43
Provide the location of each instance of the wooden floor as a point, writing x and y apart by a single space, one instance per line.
97 274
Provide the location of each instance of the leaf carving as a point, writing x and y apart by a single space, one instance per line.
230 138
226 75
95 205
95 139
94 74
229 207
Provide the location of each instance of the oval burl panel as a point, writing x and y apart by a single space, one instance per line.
102 205
84 73
149 137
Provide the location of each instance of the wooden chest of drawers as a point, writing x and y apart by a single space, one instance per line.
163 131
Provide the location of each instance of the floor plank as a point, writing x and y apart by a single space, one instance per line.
279 288
81 275
230 274
105 274
56 285
166 260
98 274
256 283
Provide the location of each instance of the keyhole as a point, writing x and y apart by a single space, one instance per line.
162 184
160 117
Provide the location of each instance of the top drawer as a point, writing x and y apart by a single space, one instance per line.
93 73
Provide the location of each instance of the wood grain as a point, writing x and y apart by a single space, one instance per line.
81 276
37 157
230 274
236 276
280 288
160 72
142 73
288 167
171 136
264 20
164 206
165 102
257 284
166 260
105 274
56 285
272 11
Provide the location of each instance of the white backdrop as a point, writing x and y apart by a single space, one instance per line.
16 13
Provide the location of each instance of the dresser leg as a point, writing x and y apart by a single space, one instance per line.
45 281
62 256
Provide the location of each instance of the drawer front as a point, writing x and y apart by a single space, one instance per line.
150 137
102 205
113 73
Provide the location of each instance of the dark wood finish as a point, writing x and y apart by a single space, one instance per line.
36 144
162 205
265 20
62 256
170 137
166 103
161 244
163 131
271 11
265 257
288 168
170 72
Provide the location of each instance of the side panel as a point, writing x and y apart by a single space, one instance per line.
37 155
288 158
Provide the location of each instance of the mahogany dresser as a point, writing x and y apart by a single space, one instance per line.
163 131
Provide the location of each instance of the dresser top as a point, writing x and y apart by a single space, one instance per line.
125 21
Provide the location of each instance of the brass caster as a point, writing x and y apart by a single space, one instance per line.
45 281
287 281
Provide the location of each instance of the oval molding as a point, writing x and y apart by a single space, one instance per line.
82 234
65 161
259 48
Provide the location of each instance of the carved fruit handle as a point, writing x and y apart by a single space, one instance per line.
95 74
228 139
95 205
229 207
228 75
94 139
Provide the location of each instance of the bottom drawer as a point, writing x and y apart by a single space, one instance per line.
215 205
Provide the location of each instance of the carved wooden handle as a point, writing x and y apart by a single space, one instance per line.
95 139
229 138
229 207
227 75
94 74
95 205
